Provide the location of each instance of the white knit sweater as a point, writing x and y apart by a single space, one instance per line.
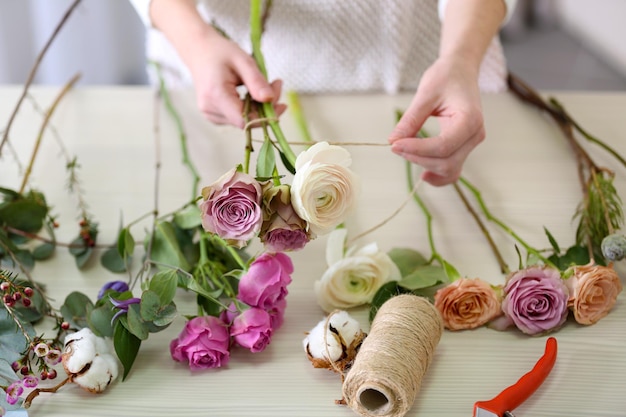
334 45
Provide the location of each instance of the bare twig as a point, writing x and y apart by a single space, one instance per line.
33 71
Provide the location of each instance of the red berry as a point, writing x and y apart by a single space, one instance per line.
8 300
65 325
5 286
43 376
26 302
28 291
17 296
52 374
24 370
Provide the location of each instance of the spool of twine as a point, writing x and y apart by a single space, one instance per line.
387 373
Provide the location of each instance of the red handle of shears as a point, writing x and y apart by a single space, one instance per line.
513 396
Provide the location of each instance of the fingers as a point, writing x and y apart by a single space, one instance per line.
412 120
443 156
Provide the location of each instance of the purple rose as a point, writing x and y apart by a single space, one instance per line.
252 329
265 282
231 207
536 300
203 342
282 230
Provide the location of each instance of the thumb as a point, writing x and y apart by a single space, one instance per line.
412 119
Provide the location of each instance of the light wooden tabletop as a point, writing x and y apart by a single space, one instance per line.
524 169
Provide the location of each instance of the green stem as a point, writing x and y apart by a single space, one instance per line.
179 127
429 217
298 115
503 226
256 30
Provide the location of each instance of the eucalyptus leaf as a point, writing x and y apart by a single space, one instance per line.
99 320
7 374
125 243
83 258
113 262
149 306
189 217
25 214
13 343
126 347
407 260
136 324
165 316
78 246
74 309
423 277
44 251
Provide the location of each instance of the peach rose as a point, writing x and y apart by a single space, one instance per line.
467 303
593 292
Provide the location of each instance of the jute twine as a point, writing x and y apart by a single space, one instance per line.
387 373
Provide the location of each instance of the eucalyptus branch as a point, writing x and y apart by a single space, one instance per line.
179 127
42 129
33 71
43 239
502 225
504 268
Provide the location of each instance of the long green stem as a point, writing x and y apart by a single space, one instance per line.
256 30
501 224
181 130
298 115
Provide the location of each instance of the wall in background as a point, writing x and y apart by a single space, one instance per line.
600 26
103 40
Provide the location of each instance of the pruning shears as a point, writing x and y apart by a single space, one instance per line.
503 404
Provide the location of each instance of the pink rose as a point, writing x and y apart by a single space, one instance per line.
282 230
203 342
252 329
536 299
231 207
467 303
265 282
593 292
277 314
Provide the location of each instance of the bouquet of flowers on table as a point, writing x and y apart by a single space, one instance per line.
200 248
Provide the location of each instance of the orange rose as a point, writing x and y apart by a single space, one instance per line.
467 303
594 290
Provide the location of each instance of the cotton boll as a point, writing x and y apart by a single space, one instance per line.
334 342
101 373
79 351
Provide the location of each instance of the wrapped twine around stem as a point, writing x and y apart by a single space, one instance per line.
387 373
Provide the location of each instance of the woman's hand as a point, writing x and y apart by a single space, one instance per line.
448 91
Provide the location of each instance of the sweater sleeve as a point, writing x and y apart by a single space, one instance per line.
509 4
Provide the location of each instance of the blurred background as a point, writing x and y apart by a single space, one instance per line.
552 44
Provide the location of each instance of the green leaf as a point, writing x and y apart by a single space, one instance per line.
126 347
451 271
136 324
165 316
83 258
189 217
209 305
125 243
7 374
423 277
165 247
74 309
25 214
286 163
112 260
552 241
44 251
164 284
384 293
575 255
13 343
149 306
78 246
407 260
99 320
266 160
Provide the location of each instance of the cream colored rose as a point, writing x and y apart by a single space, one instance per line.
324 189
467 303
352 278
593 292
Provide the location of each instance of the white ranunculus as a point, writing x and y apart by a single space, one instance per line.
88 361
353 277
324 189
